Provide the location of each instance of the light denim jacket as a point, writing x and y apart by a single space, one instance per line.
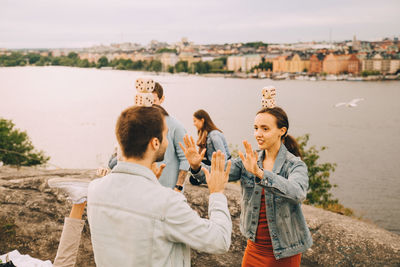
216 141
135 221
285 188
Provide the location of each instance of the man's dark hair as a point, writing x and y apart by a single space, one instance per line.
163 111
136 126
158 90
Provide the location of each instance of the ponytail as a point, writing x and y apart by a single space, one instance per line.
283 121
291 145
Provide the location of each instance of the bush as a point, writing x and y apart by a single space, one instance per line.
16 147
319 173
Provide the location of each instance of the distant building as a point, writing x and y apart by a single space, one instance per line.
316 63
91 57
354 64
242 63
279 64
189 57
356 45
336 64
168 59
394 65
144 57
298 63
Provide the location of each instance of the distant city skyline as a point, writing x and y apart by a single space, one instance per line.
75 24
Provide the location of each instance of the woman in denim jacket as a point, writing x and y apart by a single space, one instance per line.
274 182
210 137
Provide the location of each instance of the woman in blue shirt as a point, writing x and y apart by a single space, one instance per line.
210 139
210 136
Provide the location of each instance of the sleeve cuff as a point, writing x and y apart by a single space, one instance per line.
268 180
184 166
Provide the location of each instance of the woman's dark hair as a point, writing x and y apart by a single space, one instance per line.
158 89
208 123
283 121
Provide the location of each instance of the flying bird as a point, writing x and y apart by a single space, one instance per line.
351 104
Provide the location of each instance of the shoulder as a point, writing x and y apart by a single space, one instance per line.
215 133
293 161
173 123
97 186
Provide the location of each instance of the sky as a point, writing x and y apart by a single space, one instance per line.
83 23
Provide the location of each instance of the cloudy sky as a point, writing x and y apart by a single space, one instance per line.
80 23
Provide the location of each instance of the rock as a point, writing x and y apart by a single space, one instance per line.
32 214
32 217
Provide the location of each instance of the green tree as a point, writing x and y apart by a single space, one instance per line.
166 50
264 65
155 65
181 66
102 62
256 44
170 69
201 67
366 73
16 147
83 63
33 58
216 65
319 186
73 55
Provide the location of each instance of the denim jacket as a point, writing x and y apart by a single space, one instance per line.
216 141
135 221
285 188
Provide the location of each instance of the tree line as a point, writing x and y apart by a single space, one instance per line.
217 65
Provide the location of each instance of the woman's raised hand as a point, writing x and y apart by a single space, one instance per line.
192 155
217 179
250 160
157 170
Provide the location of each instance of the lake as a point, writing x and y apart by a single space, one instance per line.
70 113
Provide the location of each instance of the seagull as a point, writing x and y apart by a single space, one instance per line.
351 104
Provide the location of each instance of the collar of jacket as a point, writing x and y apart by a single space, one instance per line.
134 169
280 159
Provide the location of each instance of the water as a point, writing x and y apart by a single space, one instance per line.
70 113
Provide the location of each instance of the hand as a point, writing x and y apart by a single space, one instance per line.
192 155
218 178
102 171
250 160
157 170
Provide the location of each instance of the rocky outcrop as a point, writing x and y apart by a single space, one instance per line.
32 216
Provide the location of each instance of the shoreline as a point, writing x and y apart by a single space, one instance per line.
258 76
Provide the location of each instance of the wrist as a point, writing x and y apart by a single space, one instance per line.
259 173
179 187
195 168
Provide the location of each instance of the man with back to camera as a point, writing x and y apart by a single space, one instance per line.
176 164
134 220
